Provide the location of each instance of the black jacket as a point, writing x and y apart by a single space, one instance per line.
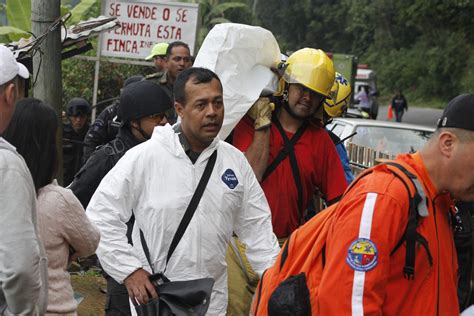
399 103
73 144
99 164
103 130
84 185
463 240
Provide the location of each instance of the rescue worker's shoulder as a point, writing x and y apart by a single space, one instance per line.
385 183
155 76
319 135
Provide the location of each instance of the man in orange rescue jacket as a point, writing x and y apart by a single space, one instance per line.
364 275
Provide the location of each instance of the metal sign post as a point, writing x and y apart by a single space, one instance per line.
96 81
142 24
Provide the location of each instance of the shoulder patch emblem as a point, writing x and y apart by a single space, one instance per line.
230 179
362 255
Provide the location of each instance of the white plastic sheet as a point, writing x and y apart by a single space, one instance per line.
241 55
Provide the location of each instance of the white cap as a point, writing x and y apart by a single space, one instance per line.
9 67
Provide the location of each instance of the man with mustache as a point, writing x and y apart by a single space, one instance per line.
178 59
157 179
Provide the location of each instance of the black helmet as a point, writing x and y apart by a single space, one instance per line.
78 106
142 98
132 79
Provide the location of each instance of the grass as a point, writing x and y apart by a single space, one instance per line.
89 286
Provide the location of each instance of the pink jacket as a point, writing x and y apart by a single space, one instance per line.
63 224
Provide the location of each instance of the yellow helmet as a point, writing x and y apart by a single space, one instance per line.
340 96
310 67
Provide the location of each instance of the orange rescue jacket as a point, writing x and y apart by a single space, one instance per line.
374 213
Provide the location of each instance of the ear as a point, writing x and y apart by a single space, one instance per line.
447 142
135 124
179 109
10 95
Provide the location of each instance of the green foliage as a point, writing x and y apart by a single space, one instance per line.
212 12
7 30
78 79
81 10
19 14
424 47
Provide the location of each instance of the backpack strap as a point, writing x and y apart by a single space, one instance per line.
188 215
289 150
287 147
417 208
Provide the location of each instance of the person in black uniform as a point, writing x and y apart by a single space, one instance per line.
463 223
399 105
142 107
74 132
106 125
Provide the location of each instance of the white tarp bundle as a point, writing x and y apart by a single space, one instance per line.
241 55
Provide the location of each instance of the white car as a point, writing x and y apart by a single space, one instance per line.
387 137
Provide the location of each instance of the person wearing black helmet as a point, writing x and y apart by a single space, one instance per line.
142 107
73 137
106 125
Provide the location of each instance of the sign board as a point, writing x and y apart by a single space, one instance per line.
146 22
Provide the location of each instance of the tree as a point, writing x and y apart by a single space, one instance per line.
212 12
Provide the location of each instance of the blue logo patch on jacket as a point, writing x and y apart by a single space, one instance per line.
362 255
230 179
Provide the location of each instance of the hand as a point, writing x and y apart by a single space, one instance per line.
73 257
261 113
139 287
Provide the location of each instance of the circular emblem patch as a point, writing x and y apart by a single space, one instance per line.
362 255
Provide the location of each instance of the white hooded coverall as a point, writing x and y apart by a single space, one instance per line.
156 180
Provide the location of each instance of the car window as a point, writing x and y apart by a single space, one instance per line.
336 128
390 140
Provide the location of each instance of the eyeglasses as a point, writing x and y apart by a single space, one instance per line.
300 89
157 116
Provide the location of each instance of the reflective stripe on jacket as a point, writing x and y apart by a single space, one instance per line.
376 209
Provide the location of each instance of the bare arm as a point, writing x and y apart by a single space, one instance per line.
258 151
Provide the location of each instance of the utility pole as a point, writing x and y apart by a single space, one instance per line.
47 63
254 9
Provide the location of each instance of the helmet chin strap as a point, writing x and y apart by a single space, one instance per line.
141 131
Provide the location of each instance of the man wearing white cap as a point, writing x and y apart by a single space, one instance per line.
23 265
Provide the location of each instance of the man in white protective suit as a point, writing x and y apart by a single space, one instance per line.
155 181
